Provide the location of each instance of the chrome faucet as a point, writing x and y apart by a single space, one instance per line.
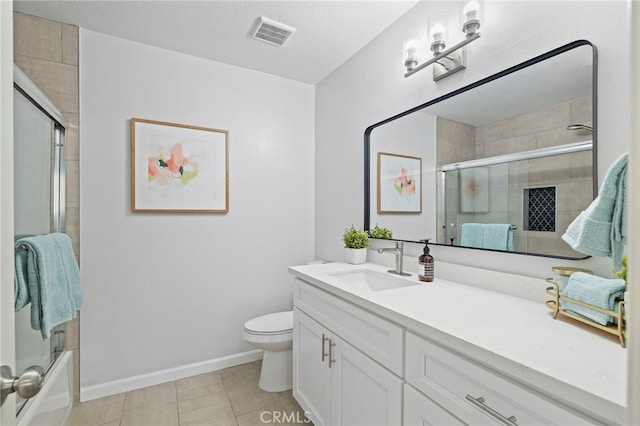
398 250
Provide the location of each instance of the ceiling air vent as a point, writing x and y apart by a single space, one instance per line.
272 32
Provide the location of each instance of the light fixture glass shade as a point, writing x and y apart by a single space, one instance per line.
437 30
438 33
412 49
471 17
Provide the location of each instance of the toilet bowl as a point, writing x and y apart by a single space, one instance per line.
273 333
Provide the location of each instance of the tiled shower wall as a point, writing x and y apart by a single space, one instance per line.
454 142
570 173
47 52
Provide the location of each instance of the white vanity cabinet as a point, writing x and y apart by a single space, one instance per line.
420 410
366 356
333 380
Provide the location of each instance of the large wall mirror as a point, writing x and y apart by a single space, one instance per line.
505 163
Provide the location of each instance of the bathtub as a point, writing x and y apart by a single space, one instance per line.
52 405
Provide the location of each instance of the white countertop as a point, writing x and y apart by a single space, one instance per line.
570 362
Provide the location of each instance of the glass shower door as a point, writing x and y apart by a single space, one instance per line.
38 183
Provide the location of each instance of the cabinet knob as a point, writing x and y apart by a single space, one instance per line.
28 384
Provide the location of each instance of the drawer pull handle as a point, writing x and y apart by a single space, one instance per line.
324 339
331 359
479 402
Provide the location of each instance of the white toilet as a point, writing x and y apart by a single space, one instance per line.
274 334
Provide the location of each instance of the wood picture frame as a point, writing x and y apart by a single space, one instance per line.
178 168
399 183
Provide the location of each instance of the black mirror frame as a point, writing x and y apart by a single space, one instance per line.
522 65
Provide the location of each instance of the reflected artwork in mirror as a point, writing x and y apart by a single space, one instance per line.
507 162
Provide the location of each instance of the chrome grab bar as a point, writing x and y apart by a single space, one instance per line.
479 402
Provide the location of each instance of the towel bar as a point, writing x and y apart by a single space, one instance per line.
455 224
615 329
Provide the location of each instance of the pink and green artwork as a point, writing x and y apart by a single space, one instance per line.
474 190
399 183
178 168
166 167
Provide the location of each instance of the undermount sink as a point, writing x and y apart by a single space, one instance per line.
373 280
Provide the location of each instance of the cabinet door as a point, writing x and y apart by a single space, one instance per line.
420 410
362 391
380 339
311 375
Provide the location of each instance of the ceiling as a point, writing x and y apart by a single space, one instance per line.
327 33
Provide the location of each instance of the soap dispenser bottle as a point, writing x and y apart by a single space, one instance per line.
425 264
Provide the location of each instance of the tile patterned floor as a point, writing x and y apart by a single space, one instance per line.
225 397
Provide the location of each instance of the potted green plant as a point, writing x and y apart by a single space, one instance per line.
356 242
381 233
622 274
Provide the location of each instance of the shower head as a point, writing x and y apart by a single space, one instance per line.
580 127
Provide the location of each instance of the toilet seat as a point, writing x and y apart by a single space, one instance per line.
272 324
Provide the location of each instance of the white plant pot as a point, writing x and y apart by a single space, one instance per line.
356 256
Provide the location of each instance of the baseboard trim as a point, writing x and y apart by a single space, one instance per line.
89 393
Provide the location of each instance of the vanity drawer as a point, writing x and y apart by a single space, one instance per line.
420 410
478 395
380 339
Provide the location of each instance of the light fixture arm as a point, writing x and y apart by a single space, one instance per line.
443 54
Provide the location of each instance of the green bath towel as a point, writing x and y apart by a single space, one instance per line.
601 230
601 292
494 236
47 275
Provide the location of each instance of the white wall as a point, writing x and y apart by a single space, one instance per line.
165 291
371 87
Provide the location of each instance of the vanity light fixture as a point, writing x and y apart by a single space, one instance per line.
445 61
